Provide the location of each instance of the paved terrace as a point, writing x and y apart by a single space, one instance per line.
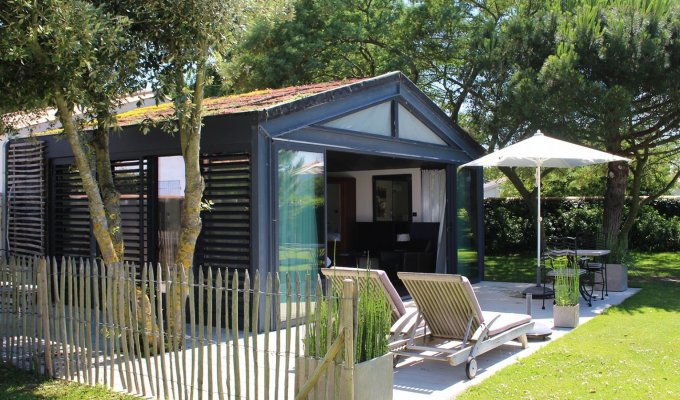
426 379
413 378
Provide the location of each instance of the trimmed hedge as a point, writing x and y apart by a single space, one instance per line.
509 229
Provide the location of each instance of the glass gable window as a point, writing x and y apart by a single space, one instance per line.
376 120
301 207
410 127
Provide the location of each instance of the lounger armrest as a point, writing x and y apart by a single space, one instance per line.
483 330
406 323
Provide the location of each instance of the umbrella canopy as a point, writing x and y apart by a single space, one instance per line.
543 151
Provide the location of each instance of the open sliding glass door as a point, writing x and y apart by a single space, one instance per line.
301 213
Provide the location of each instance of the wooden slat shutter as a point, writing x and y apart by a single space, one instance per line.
71 229
131 178
225 237
26 197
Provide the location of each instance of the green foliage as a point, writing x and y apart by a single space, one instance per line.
509 229
373 321
441 45
76 49
601 73
654 232
325 40
505 229
316 338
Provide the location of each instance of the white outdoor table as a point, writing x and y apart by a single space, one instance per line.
580 253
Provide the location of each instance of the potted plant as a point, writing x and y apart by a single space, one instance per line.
373 362
566 308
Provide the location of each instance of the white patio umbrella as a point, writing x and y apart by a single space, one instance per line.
542 151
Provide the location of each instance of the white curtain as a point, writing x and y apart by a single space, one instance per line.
434 205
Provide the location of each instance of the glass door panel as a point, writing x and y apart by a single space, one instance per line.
301 212
171 183
466 225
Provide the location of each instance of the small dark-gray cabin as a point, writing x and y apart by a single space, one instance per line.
359 172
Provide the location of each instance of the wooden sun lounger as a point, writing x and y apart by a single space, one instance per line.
449 307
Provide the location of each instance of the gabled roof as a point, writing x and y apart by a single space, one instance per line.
269 104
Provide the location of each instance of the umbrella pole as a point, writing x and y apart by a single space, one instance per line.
538 226
538 291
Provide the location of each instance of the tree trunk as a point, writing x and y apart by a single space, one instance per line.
108 190
529 197
190 122
190 139
100 224
614 202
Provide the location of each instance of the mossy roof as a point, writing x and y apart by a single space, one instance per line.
238 103
257 100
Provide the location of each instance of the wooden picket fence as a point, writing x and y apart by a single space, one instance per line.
231 337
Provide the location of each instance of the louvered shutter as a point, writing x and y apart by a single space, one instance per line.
131 178
71 229
26 197
225 237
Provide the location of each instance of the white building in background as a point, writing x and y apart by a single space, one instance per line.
492 189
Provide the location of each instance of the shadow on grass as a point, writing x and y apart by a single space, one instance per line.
654 266
17 384
510 268
658 295
657 274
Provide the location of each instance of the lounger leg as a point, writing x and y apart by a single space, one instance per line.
523 339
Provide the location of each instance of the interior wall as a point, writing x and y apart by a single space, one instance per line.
364 198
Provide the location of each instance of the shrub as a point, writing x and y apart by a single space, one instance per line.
507 231
509 228
654 232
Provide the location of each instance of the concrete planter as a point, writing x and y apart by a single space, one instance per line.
373 379
566 316
617 277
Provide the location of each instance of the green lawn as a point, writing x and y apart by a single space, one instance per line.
631 351
512 268
644 267
17 384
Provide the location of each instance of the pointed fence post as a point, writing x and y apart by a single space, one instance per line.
43 290
348 326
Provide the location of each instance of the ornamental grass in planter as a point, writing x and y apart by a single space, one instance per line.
566 308
373 361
